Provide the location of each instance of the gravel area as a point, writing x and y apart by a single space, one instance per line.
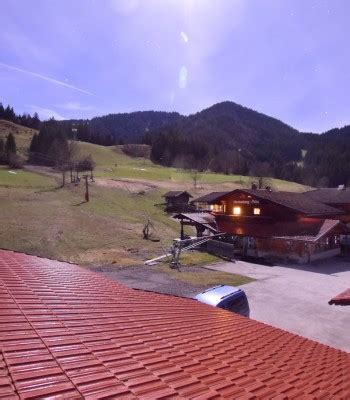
149 278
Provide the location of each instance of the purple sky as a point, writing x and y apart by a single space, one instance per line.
77 59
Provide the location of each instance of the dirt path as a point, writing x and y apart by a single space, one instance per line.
130 185
136 185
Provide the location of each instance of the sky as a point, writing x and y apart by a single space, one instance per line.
83 58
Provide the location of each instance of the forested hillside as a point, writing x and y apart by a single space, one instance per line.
226 138
130 127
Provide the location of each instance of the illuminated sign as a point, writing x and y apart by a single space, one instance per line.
246 202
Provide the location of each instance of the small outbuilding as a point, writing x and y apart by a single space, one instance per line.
177 201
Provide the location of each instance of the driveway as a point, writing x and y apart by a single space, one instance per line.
295 298
147 278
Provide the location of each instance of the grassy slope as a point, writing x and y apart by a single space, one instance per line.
38 217
113 163
23 135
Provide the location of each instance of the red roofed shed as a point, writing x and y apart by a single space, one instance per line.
66 332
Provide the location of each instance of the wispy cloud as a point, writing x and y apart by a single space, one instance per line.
45 113
75 106
45 78
184 37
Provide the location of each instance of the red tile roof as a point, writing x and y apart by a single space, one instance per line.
69 333
343 299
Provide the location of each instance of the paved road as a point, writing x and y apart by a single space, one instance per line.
296 298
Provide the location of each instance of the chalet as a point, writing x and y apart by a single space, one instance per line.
335 197
281 224
208 202
177 201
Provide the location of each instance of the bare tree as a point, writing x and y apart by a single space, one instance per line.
195 176
72 157
86 164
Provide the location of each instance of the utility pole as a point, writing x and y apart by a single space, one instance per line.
87 198
64 176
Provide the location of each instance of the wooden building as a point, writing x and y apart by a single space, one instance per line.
204 223
338 198
177 201
281 224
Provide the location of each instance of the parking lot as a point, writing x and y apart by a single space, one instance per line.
295 297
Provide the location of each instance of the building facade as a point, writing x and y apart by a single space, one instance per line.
177 201
285 225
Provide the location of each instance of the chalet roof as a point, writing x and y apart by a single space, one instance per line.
311 229
342 299
210 197
326 226
176 193
67 332
295 201
201 218
330 195
206 219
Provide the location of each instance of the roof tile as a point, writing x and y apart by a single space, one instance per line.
78 335
342 299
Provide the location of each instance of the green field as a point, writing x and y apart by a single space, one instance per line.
23 179
112 163
39 217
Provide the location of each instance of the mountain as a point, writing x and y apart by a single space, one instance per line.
225 137
228 137
233 139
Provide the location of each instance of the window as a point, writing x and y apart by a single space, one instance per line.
218 208
237 210
256 211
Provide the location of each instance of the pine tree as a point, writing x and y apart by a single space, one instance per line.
35 121
9 114
10 146
2 151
